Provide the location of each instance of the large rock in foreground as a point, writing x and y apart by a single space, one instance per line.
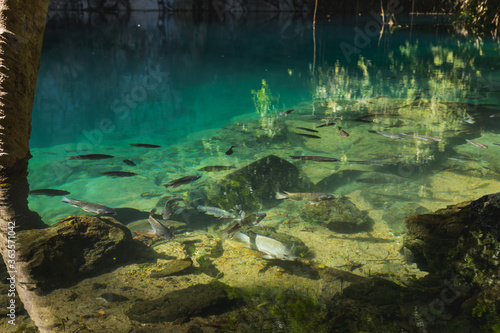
254 186
199 300
77 247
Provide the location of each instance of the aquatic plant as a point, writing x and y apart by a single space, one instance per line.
263 101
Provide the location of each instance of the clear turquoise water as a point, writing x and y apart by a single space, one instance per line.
176 84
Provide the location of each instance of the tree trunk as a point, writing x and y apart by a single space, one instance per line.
22 24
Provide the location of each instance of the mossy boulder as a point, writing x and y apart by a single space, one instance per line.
254 186
77 247
339 215
200 300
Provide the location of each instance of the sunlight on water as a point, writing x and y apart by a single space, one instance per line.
414 111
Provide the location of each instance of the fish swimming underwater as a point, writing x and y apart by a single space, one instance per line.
118 174
324 125
89 157
48 192
246 222
271 248
144 145
181 181
217 212
312 136
230 151
90 206
316 158
342 132
215 168
287 112
167 211
312 197
477 144
389 135
129 162
159 229
421 137
308 129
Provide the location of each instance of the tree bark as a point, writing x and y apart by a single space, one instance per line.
22 24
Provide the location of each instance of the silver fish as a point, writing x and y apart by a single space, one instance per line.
389 135
477 144
271 248
159 229
306 196
246 222
377 163
90 207
215 211
167 211
421 137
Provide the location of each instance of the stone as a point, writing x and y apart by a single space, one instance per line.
254 186
199 300
339 215
77 247
395 214
176 267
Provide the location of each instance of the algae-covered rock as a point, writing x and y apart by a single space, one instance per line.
254 186
77 247
176 267
339 215
462 240
199 300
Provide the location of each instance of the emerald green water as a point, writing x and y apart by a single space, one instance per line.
196 89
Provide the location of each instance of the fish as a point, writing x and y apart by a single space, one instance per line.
230 151
421 137
89 157
496 143
214 168
48 192
496 115
167 211
312 136
90 206
312 197
144 145
324 125
377 97
287 112
316 158
118 173
391 78
468 131
308 129
387 155
272 248
389 135
477 144
246 222
377 163
326 118
378 115
151 194
343 133
181 181
129 162
217 212
159 229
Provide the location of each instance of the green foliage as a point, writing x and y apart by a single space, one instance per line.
263 101
477 16
486 311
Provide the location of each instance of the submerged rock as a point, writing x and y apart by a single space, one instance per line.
77 247
176 267
394 215
339 215
199 300
254 186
